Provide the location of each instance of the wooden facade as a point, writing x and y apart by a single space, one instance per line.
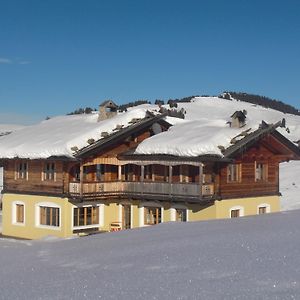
247 185
105 175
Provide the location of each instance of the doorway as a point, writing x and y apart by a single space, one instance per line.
126 216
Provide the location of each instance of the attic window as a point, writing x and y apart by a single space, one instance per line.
234 173
22 170
49 171
261 171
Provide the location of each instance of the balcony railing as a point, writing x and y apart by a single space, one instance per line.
141 188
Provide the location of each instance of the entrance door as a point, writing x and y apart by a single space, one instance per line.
126 216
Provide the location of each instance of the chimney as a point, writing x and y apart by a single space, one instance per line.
107 110
238 119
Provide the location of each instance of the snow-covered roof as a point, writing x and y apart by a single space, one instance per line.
202 132
56 136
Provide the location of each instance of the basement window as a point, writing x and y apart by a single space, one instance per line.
236 212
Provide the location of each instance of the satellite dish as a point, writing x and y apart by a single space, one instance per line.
156 128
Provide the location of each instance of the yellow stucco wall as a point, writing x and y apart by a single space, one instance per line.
30 229
249 205
135 214
112 212
200 212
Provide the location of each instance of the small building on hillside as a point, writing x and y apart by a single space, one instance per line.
79 180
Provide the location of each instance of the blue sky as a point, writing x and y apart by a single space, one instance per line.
58 55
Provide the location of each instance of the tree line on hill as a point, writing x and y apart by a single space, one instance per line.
229 95
262 101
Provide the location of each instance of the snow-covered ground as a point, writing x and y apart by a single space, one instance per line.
6 128
290 185
245 258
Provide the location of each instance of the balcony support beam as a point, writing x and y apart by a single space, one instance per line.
119 172
81 178
201 178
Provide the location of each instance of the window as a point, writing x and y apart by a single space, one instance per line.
262 210
19 213
261 171
181 215
49 171
100 172
234 173
85 216
49 216
235 213
152 215
22 170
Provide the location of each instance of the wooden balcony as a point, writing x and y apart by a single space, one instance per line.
149 189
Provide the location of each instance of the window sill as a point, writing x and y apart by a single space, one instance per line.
19 224
86 227
57 228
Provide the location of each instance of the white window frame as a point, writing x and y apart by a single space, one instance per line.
240 208
100 217
142 212
14 213
266 205
38 215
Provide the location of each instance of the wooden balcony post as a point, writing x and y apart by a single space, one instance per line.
201 178
120 172
81 179
142 172
170 173
170 180
180 174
